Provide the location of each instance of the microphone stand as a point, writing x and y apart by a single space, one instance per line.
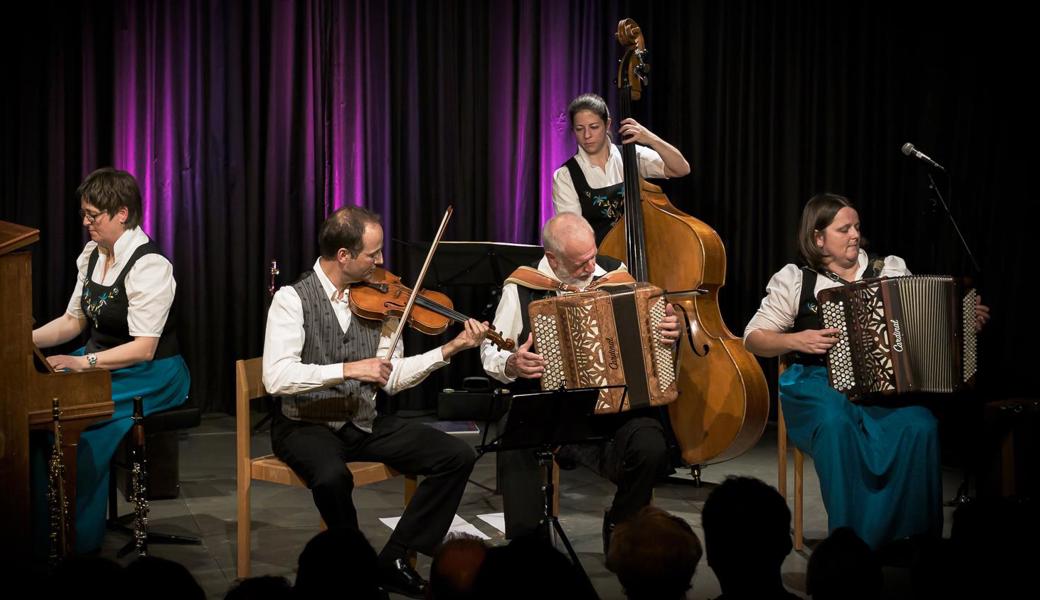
935 188
962 497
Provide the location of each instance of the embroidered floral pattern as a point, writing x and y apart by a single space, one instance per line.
95 304
610 205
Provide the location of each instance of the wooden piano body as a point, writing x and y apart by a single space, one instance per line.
26 392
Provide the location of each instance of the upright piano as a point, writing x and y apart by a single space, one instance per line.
27 387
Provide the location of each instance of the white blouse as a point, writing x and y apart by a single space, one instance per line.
565 196
780 306
150 287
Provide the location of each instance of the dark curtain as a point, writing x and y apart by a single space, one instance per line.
247 123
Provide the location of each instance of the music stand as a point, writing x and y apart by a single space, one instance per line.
543 421
474 264
480 263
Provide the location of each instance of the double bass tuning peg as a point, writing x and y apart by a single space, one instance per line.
643 68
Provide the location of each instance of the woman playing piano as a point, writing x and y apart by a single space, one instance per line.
878 466
122 301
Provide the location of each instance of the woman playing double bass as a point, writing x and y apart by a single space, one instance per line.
591 182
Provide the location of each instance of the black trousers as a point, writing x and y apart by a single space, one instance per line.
633 459
317 454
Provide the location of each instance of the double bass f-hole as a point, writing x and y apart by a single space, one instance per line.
692 330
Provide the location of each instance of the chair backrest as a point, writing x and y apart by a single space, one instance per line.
249 386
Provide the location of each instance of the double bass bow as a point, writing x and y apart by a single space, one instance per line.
723 399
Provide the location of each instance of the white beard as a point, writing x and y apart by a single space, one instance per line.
581 284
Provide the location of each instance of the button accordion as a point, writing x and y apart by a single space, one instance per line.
607 337
901 334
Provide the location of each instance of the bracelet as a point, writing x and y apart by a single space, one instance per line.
92 360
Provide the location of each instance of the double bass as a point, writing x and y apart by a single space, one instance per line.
723 399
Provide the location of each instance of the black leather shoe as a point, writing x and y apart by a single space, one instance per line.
400 578
608 530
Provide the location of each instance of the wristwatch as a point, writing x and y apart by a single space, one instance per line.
92 360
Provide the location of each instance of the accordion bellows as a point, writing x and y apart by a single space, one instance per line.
901 334
607 337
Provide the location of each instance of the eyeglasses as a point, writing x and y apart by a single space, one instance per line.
90 216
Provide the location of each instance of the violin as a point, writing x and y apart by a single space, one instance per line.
383 296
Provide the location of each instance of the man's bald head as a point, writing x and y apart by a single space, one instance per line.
567 229
570 247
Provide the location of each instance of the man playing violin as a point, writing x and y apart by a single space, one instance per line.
324 366
636 457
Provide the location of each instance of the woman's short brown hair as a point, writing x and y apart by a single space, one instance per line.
109 190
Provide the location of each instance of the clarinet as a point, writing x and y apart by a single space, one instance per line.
57 501
139 480
273 286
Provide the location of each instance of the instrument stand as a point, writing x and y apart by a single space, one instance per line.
142 537
120 524
695 477
962 496
545 459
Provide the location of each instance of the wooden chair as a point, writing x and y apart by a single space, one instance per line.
799 459
248 387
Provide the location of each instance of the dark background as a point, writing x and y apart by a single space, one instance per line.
232 117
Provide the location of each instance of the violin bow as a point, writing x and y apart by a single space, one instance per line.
418 285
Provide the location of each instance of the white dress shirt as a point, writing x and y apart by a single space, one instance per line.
286 374
150 287
565 196
509 321
780 306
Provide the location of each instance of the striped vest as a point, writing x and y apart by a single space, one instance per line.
324 344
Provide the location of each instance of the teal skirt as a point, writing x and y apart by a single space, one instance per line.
879 467
162 384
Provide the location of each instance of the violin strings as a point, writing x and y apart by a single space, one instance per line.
447 312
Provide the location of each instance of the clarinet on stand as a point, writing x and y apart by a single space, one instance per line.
138 484
272 287
57 501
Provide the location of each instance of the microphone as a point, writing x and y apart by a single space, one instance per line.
909 150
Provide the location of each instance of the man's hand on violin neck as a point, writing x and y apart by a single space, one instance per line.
370 370
472 334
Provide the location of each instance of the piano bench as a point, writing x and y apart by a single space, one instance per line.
161 449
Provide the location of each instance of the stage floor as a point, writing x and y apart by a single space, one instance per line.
284 518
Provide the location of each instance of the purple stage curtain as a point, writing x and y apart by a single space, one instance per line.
246 123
